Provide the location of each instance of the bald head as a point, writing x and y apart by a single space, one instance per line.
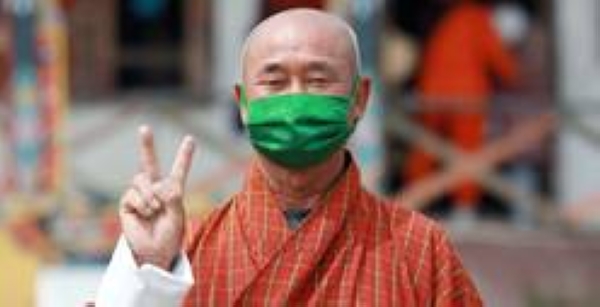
302 32
303 51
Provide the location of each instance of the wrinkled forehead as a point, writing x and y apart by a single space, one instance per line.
300 43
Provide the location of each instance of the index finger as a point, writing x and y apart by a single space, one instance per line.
149 162
183 160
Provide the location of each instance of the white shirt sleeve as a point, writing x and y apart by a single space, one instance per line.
124 284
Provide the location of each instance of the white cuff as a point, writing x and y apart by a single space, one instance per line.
124 284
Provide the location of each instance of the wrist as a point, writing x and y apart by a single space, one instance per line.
165 262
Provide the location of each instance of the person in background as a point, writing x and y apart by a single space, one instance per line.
461 60
302 230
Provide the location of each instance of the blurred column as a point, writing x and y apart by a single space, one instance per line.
578 55
367 142
7 165
40 93
232 22
53 88
367 22
24 94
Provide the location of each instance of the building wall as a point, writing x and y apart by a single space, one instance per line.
93 27
197 47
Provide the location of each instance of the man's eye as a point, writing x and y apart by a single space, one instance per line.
317 81
273 82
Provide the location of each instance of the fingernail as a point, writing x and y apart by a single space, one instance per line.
189 141
143 129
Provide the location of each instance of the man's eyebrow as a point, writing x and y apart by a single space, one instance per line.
321 66
272 67
315 66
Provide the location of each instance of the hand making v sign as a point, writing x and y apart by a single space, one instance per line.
152 211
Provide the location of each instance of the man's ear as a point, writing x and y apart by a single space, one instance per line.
363 92
237 95
237 92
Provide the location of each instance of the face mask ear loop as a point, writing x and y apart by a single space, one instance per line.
355 83
243 97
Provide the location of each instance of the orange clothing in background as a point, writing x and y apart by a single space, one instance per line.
351 250
455 83
466 131
462 54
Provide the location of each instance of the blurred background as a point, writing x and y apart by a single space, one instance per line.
484 115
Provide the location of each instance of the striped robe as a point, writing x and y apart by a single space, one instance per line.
351 250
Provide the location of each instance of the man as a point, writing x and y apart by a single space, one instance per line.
302 230
460 61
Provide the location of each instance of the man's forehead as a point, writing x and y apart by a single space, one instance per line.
292 42
300 32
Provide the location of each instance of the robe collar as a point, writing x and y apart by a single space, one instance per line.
263 223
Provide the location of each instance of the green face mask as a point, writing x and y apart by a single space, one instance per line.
298 130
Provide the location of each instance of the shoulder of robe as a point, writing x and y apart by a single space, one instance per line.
412 229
